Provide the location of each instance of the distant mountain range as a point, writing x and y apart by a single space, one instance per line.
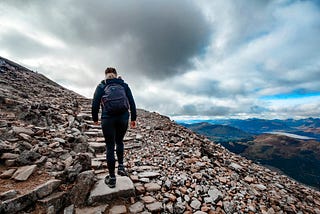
291 146
309 127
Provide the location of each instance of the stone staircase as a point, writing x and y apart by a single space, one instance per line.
101 196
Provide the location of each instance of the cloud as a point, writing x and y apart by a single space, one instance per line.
204 57
156 39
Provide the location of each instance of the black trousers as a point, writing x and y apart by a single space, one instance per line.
114 128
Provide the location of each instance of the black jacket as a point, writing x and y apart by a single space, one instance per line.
96 102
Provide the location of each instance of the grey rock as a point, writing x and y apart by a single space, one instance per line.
52 203
17 204
228 207
23 173
195 204
179 208
8 195
19 130
8 173
152 187
154 207
136 207
260 187
25 137
101 193
118 209
235 166
215 194
27 157
148 174
82 187
47 188
98 147
69 209
169 207
9 156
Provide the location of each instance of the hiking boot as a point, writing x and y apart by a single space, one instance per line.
122 171
110 181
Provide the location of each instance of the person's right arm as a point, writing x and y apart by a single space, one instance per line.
96 104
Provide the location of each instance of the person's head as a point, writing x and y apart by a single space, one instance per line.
110 73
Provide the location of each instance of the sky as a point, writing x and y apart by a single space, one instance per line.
181 58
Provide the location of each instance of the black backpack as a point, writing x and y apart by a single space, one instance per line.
115 100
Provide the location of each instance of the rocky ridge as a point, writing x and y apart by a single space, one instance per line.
52 160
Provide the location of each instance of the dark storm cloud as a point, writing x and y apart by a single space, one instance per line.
161 37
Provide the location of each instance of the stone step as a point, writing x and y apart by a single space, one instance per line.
93 134
98 147
101 193
132 145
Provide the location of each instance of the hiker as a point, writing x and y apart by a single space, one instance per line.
115 98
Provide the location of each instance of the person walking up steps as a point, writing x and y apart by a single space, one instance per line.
115 98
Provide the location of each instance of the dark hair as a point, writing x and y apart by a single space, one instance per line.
111 70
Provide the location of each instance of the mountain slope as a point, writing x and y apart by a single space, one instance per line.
172 169
219 133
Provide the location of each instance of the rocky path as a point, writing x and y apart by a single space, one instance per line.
52 160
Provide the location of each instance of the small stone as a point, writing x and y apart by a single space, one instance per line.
23 173
222 179
235 166
69 209
169 207
8 173
148 199
152 187
9 156
118 209
172 198
205 209
249 179
134 178
144 180
179 208
139 136
195 204
154 207
197 176
140 189
148 174
25 136
19 130
215 194
260 187
136 208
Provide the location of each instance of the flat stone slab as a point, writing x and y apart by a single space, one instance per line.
47 188
101 193
132 145
23 173
98 147
118 209
148 174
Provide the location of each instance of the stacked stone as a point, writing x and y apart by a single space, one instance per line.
52 159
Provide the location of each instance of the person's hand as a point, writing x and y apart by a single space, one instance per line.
133 124
96 123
